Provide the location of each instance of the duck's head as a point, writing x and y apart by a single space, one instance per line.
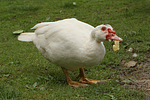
105 32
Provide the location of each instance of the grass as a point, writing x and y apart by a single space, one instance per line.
26 74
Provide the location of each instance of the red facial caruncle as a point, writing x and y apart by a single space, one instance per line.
111 34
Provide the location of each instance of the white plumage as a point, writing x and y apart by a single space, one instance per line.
70 43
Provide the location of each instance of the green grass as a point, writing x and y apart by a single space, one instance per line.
26 74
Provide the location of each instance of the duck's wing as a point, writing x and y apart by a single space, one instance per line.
65 27
68 30
61 39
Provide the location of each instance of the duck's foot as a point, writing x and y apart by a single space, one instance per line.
72 83
77 84
86 80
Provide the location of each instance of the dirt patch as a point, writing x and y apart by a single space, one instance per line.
137 76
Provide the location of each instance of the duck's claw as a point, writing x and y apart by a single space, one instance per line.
77 84
85 80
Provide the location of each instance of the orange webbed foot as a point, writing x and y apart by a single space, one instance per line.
73 83
90 81
77 84
85 80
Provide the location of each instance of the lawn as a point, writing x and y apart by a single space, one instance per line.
26 74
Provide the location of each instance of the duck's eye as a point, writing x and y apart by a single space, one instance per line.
103 28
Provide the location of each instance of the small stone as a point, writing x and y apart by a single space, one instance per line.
148 90
42 88
47 18
133 32
122 61
130 49
74 3
126 81
64 95
35 84
62 12
148 60
134 55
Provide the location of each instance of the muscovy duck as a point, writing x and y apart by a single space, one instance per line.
71 44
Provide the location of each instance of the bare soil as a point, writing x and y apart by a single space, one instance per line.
138 76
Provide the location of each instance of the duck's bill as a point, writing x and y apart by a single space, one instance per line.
115 38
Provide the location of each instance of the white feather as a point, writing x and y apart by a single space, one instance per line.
26 37
68 43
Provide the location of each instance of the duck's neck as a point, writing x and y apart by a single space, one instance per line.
93 45
93 37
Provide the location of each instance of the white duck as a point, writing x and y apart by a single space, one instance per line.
71 44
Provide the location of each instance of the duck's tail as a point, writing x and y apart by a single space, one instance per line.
26 37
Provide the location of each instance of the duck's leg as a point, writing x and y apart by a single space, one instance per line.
72 83
84 79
